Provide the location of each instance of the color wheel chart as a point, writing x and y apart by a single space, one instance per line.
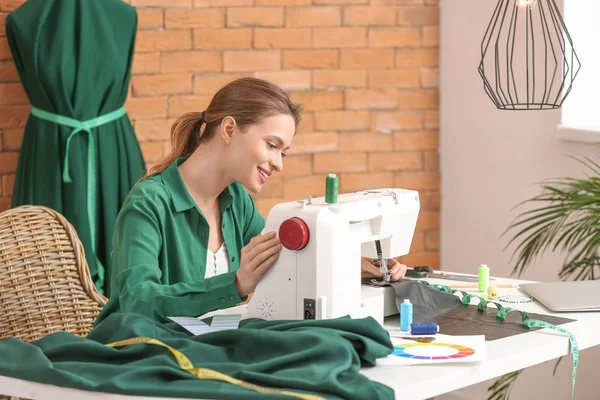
435 349
432 351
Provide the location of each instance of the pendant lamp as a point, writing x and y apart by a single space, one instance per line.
527 57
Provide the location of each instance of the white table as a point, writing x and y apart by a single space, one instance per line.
418 381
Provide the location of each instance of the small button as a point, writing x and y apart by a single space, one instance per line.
223 300
233 259
232 297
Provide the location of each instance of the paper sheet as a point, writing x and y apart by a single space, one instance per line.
198 327
435 349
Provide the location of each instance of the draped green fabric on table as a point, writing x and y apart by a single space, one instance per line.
79 155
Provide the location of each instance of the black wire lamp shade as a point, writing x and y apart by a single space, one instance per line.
527 57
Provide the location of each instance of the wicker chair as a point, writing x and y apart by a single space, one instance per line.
45 283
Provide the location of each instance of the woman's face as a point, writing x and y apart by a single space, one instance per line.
258 152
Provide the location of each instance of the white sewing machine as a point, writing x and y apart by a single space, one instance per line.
318 273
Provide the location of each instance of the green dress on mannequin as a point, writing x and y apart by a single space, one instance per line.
79 155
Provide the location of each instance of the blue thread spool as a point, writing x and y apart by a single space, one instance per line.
406 315
424 328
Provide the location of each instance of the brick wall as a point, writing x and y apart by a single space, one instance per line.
365 69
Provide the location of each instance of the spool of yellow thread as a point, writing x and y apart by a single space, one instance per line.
492 292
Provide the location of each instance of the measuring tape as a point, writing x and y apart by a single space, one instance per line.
205 373
504 311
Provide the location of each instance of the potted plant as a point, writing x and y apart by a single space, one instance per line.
565 217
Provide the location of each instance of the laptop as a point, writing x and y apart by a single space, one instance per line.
570 296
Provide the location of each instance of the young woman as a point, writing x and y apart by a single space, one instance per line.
188 238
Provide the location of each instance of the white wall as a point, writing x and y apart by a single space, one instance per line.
490 161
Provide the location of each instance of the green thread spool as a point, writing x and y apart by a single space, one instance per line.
483 278
331 189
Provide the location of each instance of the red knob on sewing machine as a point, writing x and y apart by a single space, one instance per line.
293 233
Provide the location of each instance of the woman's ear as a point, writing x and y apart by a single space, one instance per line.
228 129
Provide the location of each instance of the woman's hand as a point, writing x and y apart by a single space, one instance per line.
370 270
257 257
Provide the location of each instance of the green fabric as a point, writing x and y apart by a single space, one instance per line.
160 244
74 59
84 126
319 357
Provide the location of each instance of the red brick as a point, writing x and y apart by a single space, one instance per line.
149 41
282 2
314 143
367 58
10 5
145 63
339 78
430 200
153 85
397 161
431 119
12 94
307 123
415 16
301 187
161 3
418 242
430 36
254 16
297 166
152 151
222 3
416 141
8 162
150 18
394 37
340 2
418 99
194 18
388 121
371 99
432 240
370 142
342 120
312 16
210 84
417 180
310 59
8 72
3 23
265 205
258 60
12 138
282 38
179 105
13 116
394 78
340 162
211 39
180 61
4 49
427 57
429 77
149 130
339 37
288 80
368 15
8 183
432 161
146 107
354 182
5 203
318 100
428 220
396 2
